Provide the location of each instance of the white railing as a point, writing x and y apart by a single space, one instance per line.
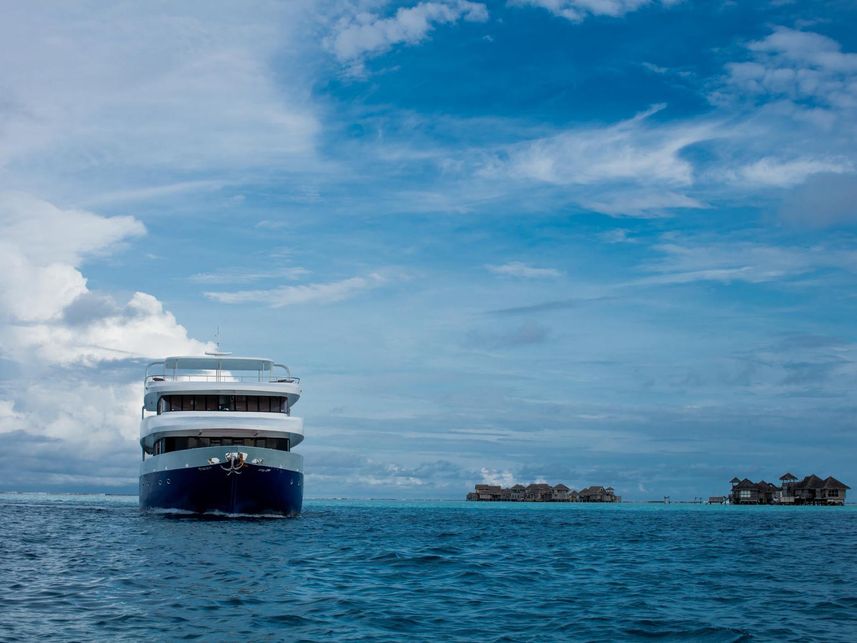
267 375
223 377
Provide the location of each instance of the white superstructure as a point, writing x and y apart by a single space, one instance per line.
218 396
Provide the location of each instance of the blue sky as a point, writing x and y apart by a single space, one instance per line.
590 241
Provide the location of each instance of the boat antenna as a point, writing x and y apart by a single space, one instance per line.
217 352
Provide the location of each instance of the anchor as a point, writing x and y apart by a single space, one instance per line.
236 461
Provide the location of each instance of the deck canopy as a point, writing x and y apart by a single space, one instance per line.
217 362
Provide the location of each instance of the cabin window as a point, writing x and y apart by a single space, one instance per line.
833 493
181 443
745 493
238 403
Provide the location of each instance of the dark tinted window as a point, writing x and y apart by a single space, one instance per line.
239 403
180 443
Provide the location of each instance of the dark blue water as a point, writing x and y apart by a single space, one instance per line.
89 567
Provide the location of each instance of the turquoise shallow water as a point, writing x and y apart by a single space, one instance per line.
94 568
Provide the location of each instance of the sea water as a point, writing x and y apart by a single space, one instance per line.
95 568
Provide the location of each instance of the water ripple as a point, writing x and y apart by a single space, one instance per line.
94 568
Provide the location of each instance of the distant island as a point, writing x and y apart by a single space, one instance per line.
812 490
541 492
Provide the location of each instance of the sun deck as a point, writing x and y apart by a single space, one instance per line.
218 368
177 379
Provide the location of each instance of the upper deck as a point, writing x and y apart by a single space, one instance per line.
218 374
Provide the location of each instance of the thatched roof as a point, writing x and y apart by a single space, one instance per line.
832 483
788 477
539 486
734 480
810 482
487 487
746 483
560 487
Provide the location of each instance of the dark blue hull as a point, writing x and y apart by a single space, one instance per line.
254 490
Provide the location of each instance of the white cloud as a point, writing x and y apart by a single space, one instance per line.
41 249
55 329
184 88
520 269
789 172
578 10
632 168
798 65
302 294
632 150
366 34
45 234
502 478
639 202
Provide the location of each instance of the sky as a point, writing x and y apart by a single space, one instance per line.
590 241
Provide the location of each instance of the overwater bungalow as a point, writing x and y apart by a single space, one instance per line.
541 492
598 494
812 490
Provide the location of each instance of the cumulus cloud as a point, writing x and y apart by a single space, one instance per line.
46 308
57 331
324 292
39 250
366 34
798 65
502 478
578 10
521 269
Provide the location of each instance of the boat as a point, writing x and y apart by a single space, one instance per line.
217 436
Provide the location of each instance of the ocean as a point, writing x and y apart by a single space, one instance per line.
83 568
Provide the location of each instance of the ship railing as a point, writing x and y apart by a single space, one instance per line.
268 375
222 377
